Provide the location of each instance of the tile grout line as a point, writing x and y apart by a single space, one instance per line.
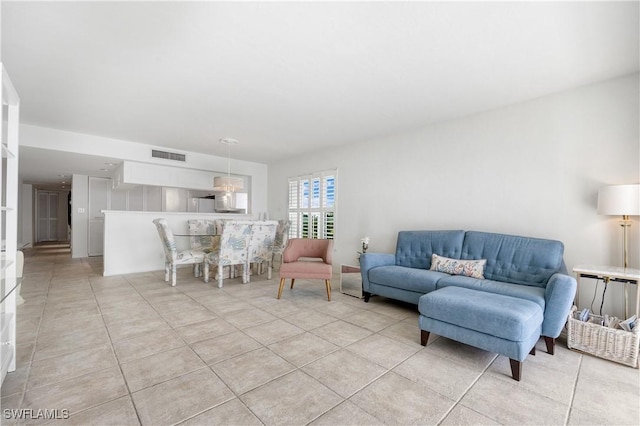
35 342
97 305
457 402
573 391
206 365
113 350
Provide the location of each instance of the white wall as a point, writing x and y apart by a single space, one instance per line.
79 215
25 216
530 169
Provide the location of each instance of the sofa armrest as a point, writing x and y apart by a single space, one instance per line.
559 295
372 260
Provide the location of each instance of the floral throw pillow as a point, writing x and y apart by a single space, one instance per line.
469 268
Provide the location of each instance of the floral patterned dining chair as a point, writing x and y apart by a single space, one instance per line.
263 234
282 237
203 236
173 257
233 249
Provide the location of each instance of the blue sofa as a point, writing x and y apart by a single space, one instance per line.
531 269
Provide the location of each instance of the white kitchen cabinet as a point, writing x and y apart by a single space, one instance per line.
98 201
133 173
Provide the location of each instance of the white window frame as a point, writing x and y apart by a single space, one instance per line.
312 204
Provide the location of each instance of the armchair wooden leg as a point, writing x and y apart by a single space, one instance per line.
280 288
328 284
292 281
550 342
166 272
173 275
424 337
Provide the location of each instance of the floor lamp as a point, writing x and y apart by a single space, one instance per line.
621 200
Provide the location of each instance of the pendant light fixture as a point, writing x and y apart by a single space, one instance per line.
228 183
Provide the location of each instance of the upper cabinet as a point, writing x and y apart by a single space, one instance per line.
132 173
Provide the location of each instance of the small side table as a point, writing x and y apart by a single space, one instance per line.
610 274
351 281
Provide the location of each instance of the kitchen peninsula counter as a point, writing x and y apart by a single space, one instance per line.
132 244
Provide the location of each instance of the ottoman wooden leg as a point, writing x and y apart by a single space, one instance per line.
516 369
532 351
550 342
424 337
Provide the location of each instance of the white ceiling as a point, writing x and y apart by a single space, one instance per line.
287 78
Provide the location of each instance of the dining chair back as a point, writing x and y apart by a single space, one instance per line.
282 238
297 263
202 237
173 257
263 234
233 249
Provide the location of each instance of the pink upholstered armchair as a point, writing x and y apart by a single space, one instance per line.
307 258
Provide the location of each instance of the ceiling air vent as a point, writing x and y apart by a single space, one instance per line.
168 155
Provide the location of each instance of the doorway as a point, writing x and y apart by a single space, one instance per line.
47 217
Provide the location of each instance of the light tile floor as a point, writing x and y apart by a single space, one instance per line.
130 349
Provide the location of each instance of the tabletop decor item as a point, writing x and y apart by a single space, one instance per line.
365 244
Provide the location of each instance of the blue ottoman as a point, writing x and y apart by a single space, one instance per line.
493 322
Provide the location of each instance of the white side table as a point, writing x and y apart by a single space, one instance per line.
610 274
351 281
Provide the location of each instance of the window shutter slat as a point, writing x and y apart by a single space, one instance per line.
312 205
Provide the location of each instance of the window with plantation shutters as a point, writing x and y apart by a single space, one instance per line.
312 205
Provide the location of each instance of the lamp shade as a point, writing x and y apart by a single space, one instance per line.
228 183
619 200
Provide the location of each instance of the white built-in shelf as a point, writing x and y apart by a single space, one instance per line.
4 263
7 323
6 152
7 286
9 147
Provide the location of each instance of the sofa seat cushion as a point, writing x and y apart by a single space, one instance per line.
533 294
306 269
497 315
412 279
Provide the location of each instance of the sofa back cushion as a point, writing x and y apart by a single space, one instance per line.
414 248
520 260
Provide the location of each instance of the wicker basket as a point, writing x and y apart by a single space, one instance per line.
604 342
